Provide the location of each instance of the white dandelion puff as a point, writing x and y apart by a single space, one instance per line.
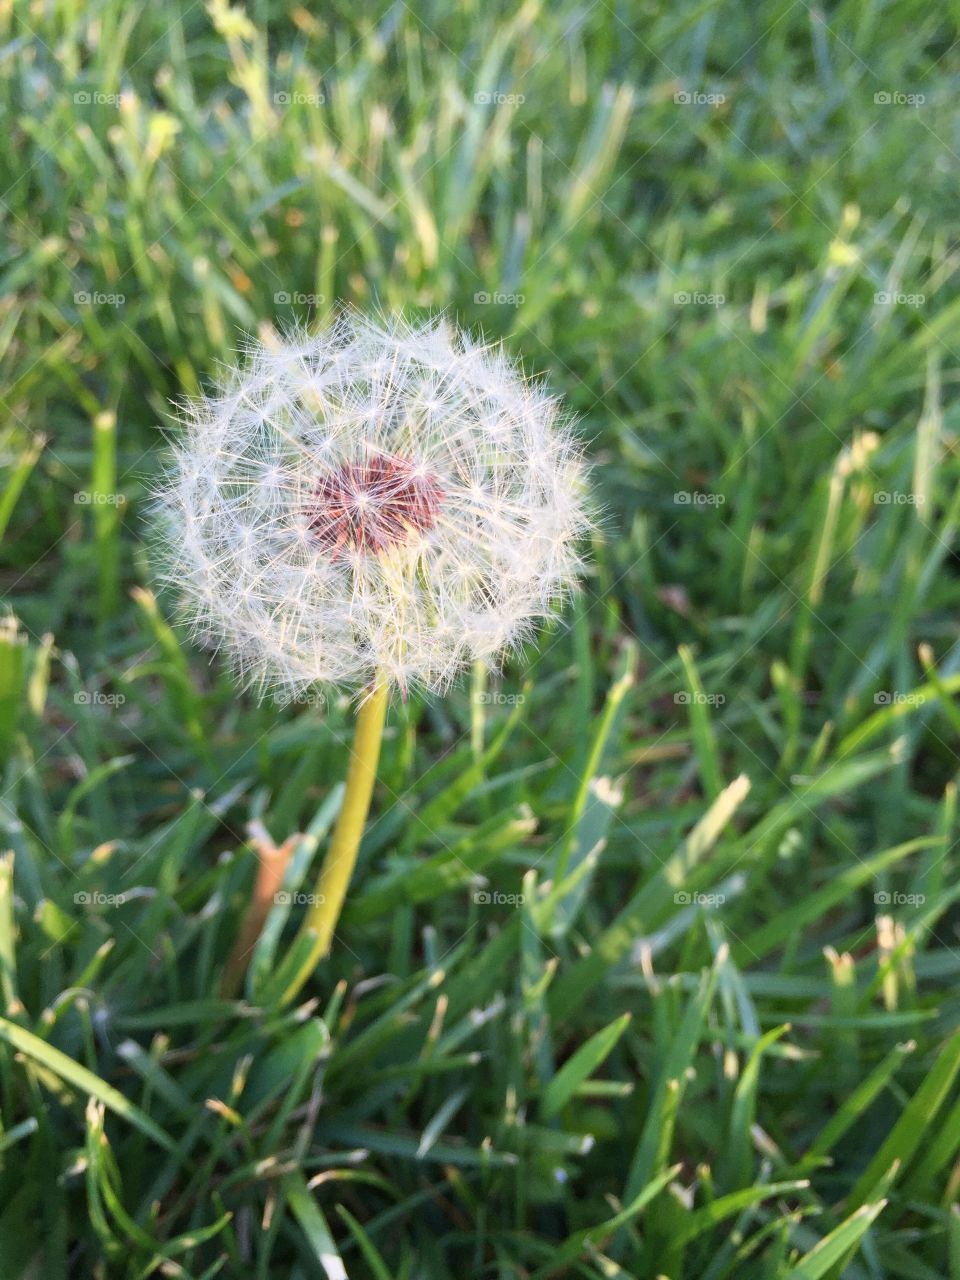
381 501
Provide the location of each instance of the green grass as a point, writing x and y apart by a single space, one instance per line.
652 972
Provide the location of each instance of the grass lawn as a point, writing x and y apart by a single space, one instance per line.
649 966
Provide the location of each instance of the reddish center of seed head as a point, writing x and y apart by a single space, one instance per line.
373 504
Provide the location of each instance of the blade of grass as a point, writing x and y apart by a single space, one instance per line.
577 1069
84 1081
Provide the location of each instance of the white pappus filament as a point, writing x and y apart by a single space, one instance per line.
381 500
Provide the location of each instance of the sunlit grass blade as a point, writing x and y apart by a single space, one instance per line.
915 1124
837 1245
79 1078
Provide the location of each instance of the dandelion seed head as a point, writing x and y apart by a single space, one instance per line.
381 500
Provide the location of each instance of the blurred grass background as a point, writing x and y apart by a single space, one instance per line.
650 965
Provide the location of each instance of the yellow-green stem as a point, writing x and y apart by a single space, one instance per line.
331 887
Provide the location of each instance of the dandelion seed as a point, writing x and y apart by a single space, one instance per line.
382 501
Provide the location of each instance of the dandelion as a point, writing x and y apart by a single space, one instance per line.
370 508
